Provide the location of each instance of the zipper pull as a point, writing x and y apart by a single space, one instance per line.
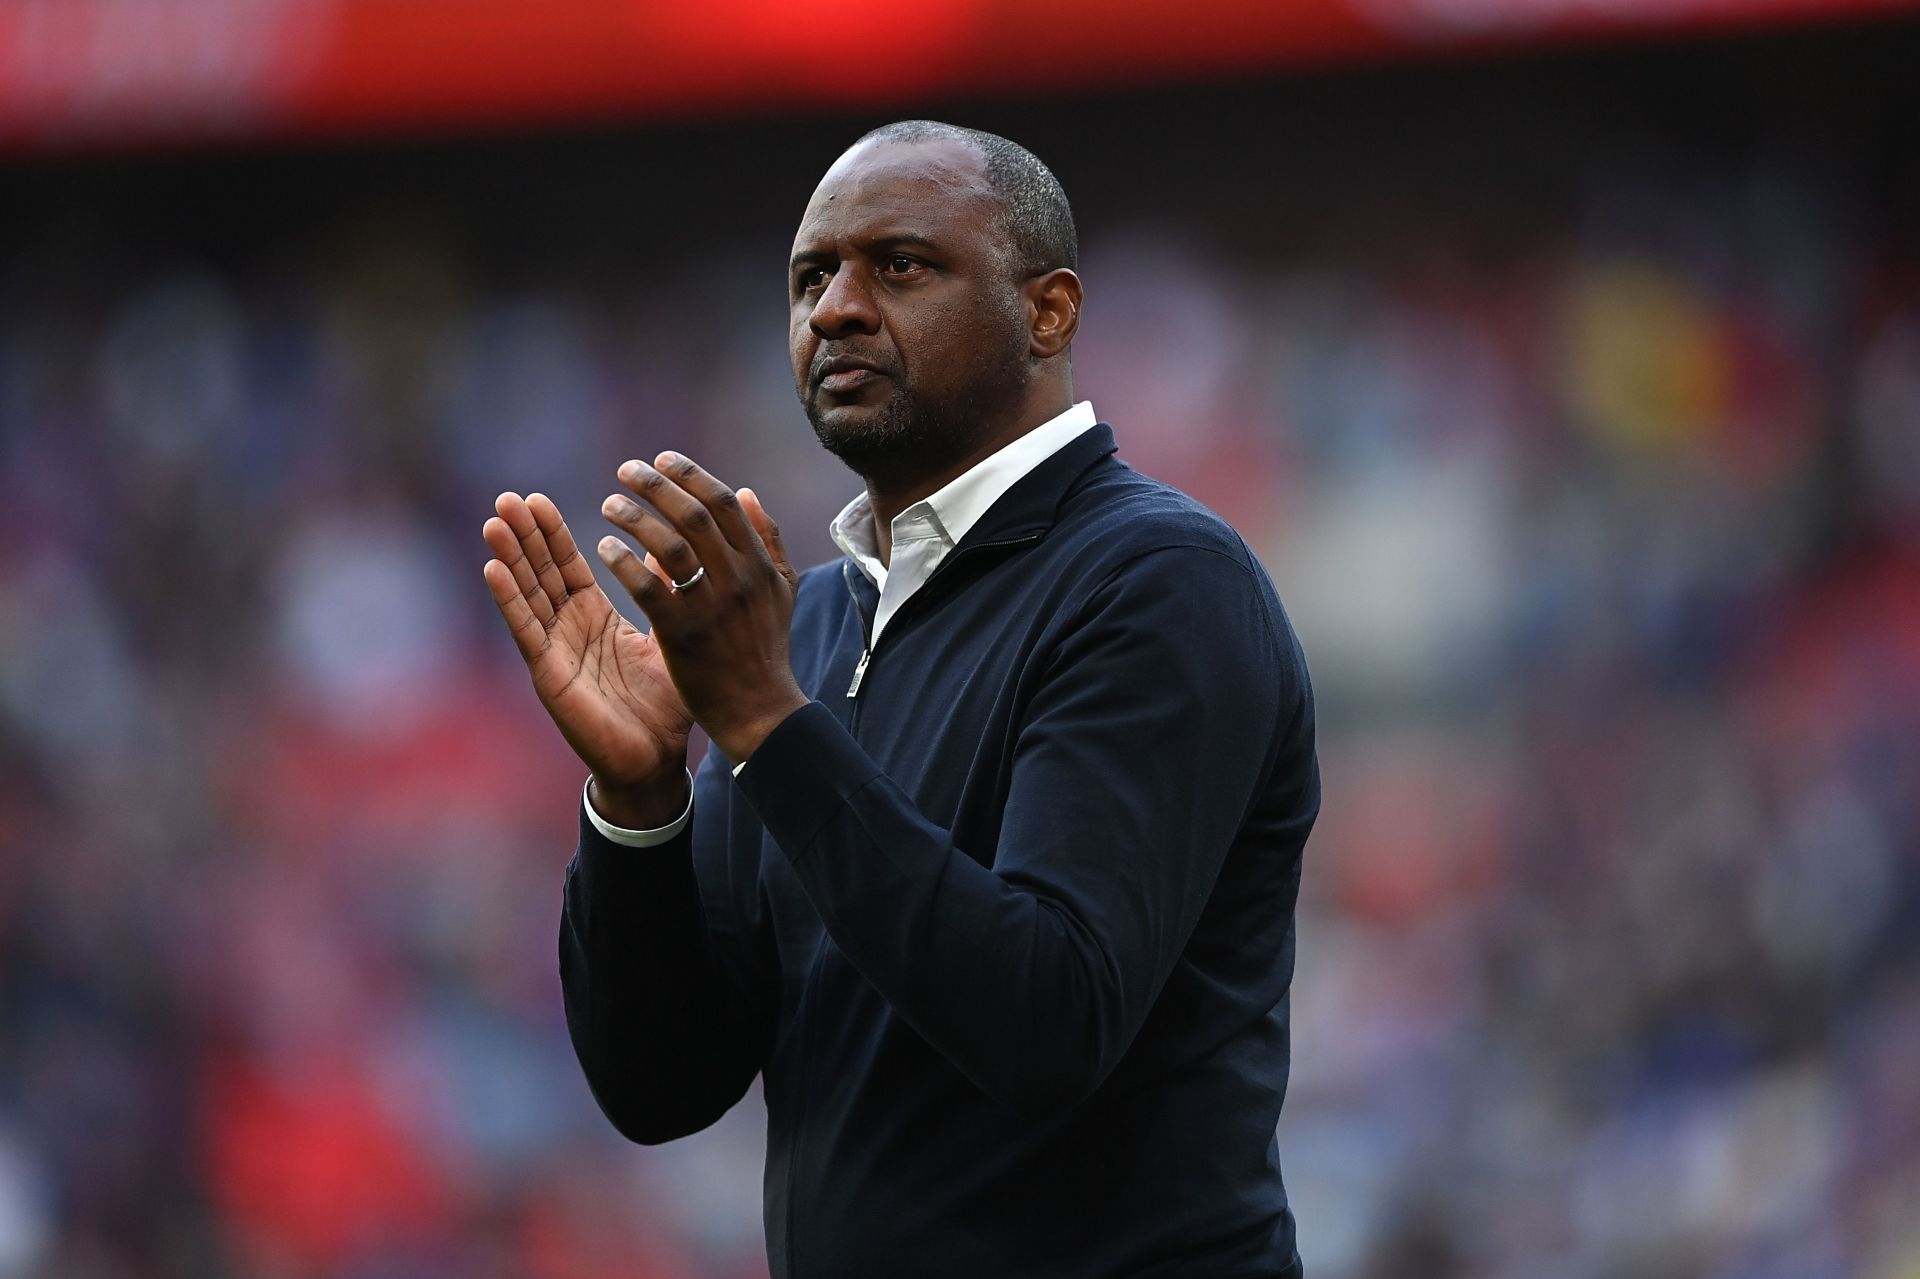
859 673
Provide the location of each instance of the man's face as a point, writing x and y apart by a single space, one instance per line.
907 326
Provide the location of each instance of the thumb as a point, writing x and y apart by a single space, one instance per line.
769 534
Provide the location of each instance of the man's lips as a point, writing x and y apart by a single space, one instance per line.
846 373
849 379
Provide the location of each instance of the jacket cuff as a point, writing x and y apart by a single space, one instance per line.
802 775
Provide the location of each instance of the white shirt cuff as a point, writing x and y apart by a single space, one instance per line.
637 838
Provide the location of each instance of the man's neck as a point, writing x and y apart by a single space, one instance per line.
887 500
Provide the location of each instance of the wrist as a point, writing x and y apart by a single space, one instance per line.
739 743
644 805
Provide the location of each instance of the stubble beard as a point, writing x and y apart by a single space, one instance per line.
914 436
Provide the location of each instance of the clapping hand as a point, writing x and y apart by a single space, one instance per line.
602 679
625 699
718 588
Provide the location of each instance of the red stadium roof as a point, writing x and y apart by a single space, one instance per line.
77 72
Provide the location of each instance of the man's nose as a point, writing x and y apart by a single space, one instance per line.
844 307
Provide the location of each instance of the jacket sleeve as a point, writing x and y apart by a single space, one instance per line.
664 1010
1140 754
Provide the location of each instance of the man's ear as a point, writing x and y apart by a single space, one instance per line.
1053 312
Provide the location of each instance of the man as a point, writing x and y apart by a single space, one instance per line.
991 873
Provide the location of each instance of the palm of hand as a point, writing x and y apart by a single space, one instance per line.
603 680
606 685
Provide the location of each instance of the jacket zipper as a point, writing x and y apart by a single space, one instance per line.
812 983
859 672
820 951
866 653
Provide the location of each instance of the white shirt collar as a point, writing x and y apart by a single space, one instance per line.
945 516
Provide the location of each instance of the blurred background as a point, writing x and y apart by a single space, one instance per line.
1561 358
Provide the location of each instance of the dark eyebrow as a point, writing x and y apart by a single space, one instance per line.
883 243
878 244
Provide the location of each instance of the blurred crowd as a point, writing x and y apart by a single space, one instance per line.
1601 528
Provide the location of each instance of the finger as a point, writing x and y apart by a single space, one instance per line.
507 548
769 532
575 573
655 598
529 636
662 542
705 511
533 544
721 501
658 569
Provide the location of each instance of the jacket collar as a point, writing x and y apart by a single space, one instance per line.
1032 505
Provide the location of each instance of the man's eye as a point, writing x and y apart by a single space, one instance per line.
812 279
900 264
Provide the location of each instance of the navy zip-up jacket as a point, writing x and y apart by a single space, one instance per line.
1009 933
